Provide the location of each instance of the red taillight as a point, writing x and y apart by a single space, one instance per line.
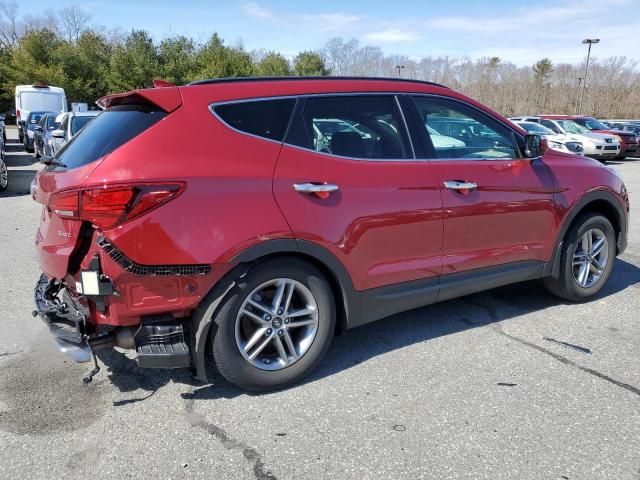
111 206
18 115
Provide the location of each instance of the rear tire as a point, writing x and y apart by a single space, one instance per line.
4 175
270 336
586 264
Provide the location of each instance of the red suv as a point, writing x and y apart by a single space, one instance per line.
629 142
241 223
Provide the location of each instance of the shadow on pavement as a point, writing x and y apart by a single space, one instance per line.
19 178
364 343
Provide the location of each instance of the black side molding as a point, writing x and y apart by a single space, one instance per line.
149 270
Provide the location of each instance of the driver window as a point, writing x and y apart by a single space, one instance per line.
362 127
461 132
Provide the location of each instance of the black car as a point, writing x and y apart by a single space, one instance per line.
32 122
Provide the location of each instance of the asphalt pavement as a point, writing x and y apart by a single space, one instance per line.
508 384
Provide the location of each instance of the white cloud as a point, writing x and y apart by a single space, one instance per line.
254 9
392 35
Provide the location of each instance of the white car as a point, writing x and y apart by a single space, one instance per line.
555 141
70 125
596 145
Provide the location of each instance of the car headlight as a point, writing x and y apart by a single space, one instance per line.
555 145
30 133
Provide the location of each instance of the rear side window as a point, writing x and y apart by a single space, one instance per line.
78 122
365 127
109 130
263 118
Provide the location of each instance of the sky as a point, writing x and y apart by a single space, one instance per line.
518 31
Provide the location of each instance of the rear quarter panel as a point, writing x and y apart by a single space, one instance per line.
228 202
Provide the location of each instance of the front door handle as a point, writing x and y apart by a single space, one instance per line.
457 185
320 190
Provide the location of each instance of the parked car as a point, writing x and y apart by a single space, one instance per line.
38 97
556 141
69 125
628 141
627 127
3 129
599 146
29 126
254 248
42 136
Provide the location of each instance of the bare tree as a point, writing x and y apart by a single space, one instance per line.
10 28
74 21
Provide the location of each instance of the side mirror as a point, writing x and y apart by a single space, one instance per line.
535 146
57 133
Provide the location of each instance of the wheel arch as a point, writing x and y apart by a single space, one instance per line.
603 202
326 262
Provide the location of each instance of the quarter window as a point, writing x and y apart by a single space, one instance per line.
363 127
264 118
458 131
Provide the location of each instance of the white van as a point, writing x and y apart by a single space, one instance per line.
37 98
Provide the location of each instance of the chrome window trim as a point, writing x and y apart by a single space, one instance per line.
302 96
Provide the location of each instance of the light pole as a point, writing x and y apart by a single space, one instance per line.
589 41
399 67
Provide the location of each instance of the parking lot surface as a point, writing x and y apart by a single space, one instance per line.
511 383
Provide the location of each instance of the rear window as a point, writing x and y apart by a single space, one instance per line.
78 122
109 130
264 118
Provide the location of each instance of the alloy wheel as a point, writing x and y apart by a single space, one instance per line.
590 258
276 324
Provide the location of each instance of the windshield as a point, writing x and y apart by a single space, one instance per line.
535 128
595 125
51 123
48 101
35 118
78 122
570 126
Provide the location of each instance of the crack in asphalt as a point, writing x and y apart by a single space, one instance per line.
496 327
10 354
260 471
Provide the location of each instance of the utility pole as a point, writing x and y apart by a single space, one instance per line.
578 95
399 67
589 41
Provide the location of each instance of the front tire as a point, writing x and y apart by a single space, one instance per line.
588 254
274 326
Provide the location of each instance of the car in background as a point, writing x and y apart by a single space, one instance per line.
556 141
38 97
3 129
627 127
69 125
32 121
597 146
42 139
628 140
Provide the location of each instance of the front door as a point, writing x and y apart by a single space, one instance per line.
347 180
498 206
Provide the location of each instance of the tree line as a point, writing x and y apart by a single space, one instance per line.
64 48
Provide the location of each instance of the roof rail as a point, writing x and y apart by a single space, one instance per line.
271 79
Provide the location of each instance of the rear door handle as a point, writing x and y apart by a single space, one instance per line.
457 185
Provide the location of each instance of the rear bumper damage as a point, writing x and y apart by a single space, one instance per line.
159 341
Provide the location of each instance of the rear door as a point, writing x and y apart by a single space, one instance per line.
498 206
347 180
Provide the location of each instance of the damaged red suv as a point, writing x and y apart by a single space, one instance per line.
239 224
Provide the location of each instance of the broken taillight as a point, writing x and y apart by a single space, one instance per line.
111 206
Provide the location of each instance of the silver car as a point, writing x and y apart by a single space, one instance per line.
70 124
